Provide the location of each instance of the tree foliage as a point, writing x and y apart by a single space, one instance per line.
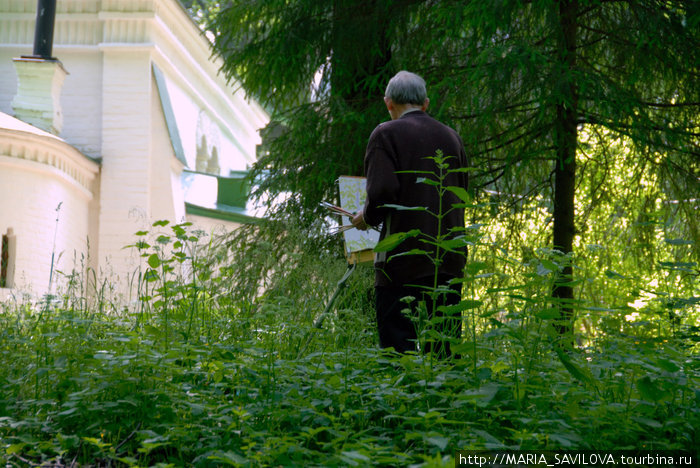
525 83
319 66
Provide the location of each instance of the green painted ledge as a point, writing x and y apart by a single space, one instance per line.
222 212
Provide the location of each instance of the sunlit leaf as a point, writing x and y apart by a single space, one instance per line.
393 240
461 193
426 181
154 261
405 208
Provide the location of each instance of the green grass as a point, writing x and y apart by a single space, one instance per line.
97 388
193 376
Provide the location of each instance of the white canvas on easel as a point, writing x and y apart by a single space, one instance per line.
358 244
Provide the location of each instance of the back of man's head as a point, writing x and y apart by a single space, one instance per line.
406 88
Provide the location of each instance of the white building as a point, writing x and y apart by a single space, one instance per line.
124 126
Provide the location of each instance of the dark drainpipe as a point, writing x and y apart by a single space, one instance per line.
43 32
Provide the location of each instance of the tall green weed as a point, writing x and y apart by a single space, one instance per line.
191 374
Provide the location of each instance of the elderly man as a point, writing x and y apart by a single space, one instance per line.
398 153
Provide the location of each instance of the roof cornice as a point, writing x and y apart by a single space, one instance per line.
50 154
179 47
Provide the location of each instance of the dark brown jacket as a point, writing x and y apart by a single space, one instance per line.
406 144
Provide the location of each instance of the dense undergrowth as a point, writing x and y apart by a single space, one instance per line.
190 375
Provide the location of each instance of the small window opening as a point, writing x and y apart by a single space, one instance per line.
6 259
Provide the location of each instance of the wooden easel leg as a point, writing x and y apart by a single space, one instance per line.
341 284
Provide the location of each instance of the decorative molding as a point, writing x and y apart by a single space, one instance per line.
181 49
53 153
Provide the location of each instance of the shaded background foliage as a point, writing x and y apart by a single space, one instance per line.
554 101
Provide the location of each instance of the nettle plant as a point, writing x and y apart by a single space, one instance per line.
526 327
456 240
171 284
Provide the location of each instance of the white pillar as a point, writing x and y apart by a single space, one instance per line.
125 189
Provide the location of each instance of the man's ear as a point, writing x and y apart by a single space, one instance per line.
391 107
425 104
389 104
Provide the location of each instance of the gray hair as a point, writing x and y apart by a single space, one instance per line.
406 88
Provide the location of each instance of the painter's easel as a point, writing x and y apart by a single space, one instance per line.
359 245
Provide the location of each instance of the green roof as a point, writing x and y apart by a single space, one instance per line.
223 212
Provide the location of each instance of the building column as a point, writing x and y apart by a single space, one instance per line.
126 157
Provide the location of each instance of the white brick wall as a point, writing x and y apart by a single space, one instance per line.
82 101
111 111
166 201
36 190
126 154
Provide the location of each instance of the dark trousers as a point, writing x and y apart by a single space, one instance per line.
396 327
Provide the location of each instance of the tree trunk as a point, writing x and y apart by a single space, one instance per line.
361 53
566 137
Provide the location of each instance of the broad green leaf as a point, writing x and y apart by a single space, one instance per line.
15 448
542 270
614 274
679 241
405 208
96 442
411 252
579 373
473 267
438 441
451 244
548 314
551 266
150 329
393 240
153 261
461 193
142 245
228 458
426 181
653 423
488 392
688 267
667 365
565 440
650 389
465 304
68 412
355 456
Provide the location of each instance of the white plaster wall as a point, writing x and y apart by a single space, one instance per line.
126 157
211 225
36 190
8 79
81 99
109 111
165 168
81 96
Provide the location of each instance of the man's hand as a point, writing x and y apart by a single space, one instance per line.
359 221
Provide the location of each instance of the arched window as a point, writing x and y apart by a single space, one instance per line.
202 155
213 164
